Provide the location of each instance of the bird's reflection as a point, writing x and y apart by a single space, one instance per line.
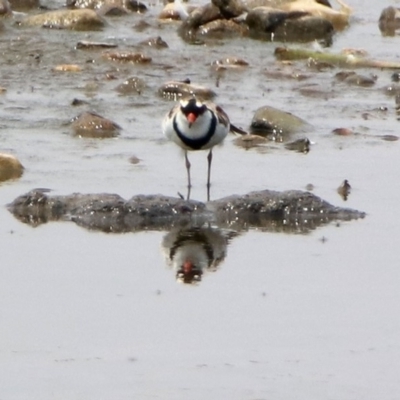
191 251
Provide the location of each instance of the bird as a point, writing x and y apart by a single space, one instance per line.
193 250
193 125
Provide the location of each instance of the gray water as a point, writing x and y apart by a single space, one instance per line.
88 315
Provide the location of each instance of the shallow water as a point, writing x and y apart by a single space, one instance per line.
284 316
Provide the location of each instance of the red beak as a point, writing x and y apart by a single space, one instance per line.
187 267
191 118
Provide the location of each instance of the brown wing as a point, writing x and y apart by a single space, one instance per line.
222 116
224 119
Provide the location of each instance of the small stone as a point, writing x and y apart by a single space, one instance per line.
67 68
10 167
126 56
89 124
134 160
342 132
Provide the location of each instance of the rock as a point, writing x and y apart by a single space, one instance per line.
135 6
171 11
276 124
127 56
302 145
353 78
230 8
222 28
198 17
154 42
290 211
174 90
112 10
294 26
343 132
230 62
79 20
84 44
389 21
92 125
132 85
67 68
10 167
338 18
5 8
24 5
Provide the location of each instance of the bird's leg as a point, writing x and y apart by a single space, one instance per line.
209 158
187 163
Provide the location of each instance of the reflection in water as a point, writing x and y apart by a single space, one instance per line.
192 246
193 250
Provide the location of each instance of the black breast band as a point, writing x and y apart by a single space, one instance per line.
197 144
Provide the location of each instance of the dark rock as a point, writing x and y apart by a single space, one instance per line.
395 77
389 21
5 9
230 8
154 42
353 78
300 145
135 6
112 10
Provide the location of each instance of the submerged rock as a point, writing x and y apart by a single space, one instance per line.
10 167
174 90
353 78
155 42
80 20
133 85
292 211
